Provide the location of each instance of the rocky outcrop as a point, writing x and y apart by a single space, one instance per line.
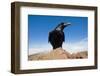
79 55
58 53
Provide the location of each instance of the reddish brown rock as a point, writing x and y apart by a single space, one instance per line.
58 53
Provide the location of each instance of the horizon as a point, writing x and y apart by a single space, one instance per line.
39 27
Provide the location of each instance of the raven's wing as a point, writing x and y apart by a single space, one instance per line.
51 35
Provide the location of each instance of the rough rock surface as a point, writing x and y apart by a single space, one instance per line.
58 53
79 55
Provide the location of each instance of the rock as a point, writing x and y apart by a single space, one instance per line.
58 53
79 55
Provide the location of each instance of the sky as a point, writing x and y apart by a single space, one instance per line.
39 27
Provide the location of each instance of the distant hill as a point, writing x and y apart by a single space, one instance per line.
58 53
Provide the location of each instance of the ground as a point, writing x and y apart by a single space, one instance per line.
58 53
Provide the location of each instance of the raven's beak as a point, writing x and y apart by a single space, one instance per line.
67 24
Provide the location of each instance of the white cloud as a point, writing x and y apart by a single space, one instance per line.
42 48
81 45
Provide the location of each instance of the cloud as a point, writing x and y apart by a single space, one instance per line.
42 48
81 45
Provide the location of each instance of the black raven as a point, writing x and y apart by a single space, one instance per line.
57 37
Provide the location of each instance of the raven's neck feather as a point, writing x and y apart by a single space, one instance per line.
59 28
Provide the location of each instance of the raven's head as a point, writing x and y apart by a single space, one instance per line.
62 25
65 24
